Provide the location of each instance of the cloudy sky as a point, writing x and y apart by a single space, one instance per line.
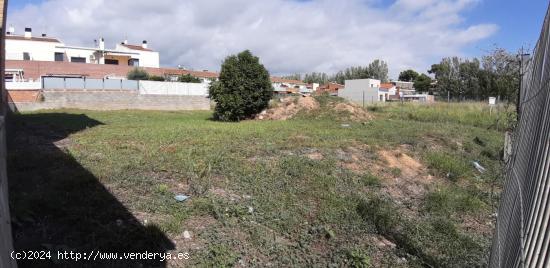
291 35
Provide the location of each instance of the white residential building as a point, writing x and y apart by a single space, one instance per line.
361 91
44 48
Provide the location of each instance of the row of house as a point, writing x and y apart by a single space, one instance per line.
30 58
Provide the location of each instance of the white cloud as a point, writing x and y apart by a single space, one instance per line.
289 36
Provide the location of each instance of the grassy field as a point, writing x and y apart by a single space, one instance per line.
397 191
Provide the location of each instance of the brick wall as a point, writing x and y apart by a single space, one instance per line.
35 69
23 95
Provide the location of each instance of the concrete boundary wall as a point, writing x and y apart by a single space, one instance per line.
108 100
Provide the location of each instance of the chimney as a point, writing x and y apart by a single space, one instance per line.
101 43
144 44
28 32
11 30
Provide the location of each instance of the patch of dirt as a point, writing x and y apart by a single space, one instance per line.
405 179
288 108
356 112
409 166
315 156
410 183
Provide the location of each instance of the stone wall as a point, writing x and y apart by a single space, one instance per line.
105 100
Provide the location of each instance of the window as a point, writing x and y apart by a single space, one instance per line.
78 59
59 56
133 62
111 61
26 56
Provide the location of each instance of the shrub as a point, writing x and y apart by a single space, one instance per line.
137 74
243 90
156 78
188 78
358 258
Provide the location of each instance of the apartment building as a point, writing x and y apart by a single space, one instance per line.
44 48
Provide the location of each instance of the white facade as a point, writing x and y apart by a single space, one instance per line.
146 58
26 47
361 90
35 49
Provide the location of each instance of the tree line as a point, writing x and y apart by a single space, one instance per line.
377 69
496 74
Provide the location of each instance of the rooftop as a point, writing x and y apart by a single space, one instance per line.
136 47
38 39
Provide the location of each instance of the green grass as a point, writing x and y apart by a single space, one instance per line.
305 212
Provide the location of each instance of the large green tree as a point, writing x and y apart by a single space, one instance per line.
243 90
378 69
422 83
408 75
496 74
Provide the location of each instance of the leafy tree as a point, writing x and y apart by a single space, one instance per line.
156 78
503 68
378 69
408 76
422 83
188 78
350 73
243 90
137 74
497 74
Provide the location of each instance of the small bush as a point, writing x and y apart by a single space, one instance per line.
156 78
379 212
370 180
396 172
137 74
358 258
220 255
244 88
188 78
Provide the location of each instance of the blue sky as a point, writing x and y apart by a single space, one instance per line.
468 29
519 21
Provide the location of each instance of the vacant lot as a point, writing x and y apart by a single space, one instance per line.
398 190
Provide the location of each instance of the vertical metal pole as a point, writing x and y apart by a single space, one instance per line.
363 99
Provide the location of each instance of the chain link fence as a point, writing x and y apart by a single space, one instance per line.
522 234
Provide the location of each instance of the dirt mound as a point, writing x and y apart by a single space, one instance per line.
288 108
356 112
